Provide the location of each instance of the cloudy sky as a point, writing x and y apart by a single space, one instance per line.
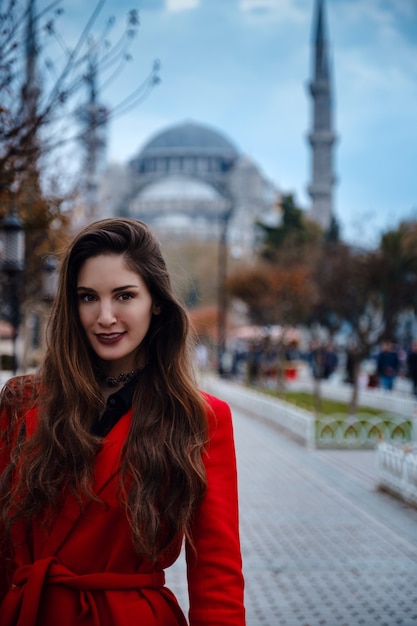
242 67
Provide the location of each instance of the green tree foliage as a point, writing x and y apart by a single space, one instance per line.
279 289
290 239
332 234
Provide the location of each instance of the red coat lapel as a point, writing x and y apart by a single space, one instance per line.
106 468
108 459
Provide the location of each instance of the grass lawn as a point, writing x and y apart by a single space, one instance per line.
306 400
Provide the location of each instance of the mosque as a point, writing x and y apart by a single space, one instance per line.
191 181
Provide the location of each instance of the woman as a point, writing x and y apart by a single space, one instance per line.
111 455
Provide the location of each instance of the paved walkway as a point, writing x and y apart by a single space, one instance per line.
321 546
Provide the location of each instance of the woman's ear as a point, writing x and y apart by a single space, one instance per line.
156 309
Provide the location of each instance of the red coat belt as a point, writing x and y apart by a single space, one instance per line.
30 580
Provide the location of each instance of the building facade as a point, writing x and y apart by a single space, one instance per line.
188 182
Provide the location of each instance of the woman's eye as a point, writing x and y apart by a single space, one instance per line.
86 297
126 296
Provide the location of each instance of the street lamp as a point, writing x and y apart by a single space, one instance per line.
222 288
12 263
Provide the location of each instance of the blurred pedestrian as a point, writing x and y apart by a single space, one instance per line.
387 365
323 360
412 366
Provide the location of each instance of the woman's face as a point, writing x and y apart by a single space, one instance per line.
115 309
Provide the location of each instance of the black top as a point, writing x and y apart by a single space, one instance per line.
117 405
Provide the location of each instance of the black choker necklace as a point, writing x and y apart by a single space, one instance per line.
114 381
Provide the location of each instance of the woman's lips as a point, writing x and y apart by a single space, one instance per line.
109 338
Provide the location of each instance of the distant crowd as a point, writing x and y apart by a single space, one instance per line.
263 360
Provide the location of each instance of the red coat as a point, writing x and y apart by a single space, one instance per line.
86 573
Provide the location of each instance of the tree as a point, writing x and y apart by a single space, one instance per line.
279 289
394 273
291 239
38 110
253 286
368 289
332 235
275 296
42 83
41 99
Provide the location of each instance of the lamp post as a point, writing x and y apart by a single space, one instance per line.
12 263
222 289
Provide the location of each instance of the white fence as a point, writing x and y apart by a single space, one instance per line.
397 470
292 419
362 430
332 431
397 463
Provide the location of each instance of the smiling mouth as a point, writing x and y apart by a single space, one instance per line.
109 338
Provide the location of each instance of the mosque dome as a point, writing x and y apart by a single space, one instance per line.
188 148
189 138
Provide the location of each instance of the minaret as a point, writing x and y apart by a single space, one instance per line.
93 118
322 137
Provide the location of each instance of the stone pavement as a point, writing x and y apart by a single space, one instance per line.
321 546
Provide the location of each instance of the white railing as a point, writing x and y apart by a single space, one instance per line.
332 431
397 463
362 430
397 470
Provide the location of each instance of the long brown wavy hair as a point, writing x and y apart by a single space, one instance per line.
162 476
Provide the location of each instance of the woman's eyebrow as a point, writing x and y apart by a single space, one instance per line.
125 287
115 290
81 288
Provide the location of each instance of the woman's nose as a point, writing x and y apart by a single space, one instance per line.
106 315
